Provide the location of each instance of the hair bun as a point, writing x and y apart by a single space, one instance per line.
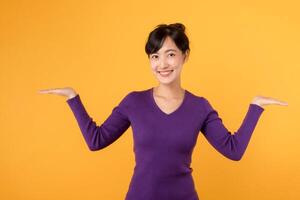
178 26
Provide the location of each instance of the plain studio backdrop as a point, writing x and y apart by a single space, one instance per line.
238 50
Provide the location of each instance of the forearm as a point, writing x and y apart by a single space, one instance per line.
230 145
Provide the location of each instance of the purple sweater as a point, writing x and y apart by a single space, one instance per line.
164 143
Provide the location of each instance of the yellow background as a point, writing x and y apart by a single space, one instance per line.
239 49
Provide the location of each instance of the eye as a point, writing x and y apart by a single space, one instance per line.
172 54
154 56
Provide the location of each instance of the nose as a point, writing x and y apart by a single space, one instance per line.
163 63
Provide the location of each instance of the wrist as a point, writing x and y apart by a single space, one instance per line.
72 95
256 103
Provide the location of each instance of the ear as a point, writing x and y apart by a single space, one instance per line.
186 56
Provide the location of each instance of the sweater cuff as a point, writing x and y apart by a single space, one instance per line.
75 98
256 107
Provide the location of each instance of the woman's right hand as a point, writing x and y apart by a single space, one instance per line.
66 91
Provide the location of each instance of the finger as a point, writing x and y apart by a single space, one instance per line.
283 103
278 102
48 91
45 91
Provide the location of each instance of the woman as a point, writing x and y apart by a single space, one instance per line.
166 121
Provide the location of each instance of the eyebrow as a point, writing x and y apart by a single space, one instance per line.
166 51
170 50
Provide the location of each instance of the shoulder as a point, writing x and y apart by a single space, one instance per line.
196 97
203 102
134 95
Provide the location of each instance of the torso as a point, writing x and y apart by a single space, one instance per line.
168 105
165 132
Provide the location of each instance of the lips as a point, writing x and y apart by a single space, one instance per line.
165 73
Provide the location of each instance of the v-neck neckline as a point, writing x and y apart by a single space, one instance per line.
151 93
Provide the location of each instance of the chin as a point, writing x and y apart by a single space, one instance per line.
169 81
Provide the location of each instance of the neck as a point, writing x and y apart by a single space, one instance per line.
169 91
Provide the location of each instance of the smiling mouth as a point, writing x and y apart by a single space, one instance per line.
165 73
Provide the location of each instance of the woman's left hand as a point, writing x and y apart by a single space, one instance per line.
262 101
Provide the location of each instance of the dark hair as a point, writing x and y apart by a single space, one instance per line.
157 37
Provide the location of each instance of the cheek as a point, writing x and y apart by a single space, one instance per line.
153 65
175 61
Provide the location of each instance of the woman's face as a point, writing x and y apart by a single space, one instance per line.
167 62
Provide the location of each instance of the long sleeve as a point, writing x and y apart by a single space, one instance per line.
98 137
230 145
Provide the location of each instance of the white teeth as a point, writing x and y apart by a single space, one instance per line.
165 73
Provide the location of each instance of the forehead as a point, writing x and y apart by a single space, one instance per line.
168 45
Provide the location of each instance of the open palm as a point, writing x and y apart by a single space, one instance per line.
262 101
66 91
